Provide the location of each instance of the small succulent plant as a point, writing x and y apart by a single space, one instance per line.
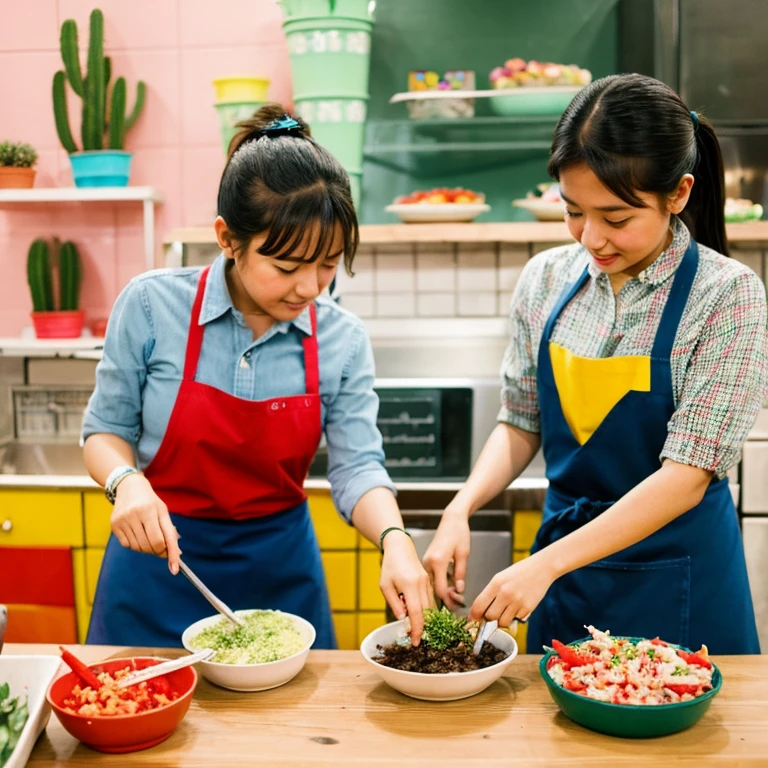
17 155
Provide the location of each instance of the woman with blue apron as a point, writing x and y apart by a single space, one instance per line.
639 412
227 475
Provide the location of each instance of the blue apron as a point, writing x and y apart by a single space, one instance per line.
272 562
687 582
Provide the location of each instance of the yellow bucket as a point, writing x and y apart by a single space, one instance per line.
241 89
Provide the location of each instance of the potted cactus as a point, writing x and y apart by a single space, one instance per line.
16 161
104 119
66 322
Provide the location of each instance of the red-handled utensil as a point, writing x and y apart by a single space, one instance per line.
80 669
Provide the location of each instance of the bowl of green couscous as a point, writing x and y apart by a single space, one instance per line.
268 651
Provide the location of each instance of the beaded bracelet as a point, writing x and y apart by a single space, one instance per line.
387 530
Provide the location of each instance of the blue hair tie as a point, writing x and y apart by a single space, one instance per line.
695 119
284 126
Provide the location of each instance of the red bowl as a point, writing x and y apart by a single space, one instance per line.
124 733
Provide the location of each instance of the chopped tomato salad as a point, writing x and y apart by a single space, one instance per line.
619 671
109 700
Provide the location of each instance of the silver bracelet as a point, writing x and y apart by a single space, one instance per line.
116 476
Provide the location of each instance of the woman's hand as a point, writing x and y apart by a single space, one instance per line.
450 545
404 582
141 522
514 592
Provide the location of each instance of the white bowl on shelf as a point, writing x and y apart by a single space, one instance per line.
252 677
424 213
543 210
29 675
437 687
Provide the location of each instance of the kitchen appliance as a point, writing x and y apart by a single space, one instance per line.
433 429
691 45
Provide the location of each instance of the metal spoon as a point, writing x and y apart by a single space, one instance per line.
219 605
487 628
164 668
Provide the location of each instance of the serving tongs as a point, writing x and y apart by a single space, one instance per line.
219 605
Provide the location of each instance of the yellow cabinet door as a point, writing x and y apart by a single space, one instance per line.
369 594
98 512
33 518
341 574
367 622
331 531
345 625
525 527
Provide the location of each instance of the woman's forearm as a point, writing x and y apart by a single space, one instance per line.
376 511
507 452
668 493
103 452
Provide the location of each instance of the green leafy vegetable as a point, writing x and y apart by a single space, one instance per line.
443 629
13 715
680 671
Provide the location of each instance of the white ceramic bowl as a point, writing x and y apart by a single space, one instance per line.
252 677
29 675
427 213
439 687
543 210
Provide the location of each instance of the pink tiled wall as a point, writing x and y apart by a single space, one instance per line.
177 47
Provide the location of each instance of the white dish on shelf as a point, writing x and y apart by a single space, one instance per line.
543 210
423 213
29 676
485 94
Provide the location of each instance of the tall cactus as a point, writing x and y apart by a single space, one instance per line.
93 90
39 276
69 277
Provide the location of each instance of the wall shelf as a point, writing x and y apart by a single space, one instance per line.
492 232
435 147
148 196
84 347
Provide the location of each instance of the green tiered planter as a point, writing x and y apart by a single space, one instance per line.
329 43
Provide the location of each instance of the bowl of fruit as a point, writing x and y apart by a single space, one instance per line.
440 204
534 87
545 203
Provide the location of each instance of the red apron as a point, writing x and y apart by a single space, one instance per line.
231 472
223 456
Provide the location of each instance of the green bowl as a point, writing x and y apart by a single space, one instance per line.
634 721
545 101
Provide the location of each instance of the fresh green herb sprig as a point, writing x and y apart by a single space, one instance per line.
443 629
13 715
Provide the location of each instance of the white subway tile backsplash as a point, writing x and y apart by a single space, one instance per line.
436 304
480 304
477 267
396 304
362 282
505 300
360 304
512 259
395 269
753 258
435 267
541 247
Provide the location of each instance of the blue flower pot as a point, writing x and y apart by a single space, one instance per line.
101 168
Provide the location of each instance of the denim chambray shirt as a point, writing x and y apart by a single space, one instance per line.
140 372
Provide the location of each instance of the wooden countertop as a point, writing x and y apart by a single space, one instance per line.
489 232
337 712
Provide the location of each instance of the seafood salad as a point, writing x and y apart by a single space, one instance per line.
618 670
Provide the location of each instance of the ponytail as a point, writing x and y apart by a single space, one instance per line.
704 215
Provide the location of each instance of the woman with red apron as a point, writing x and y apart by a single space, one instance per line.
223 482
638 364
